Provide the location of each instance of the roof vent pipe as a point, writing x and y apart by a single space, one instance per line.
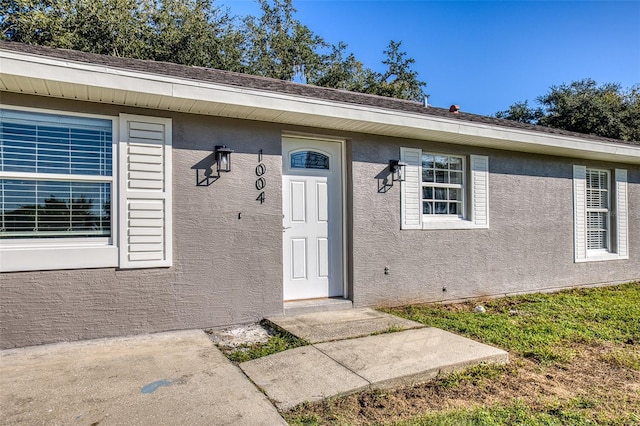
425 102
454 109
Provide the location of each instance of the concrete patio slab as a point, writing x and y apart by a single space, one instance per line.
301 374
344 324
410 356
177 378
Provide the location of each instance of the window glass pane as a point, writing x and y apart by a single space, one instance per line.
427 175
597 230
48 143
54 209
18 206
427 208
441 176
454 194
427 193
309 160
442 208
427 161
455 177
597 198
597 179
441 162
455 163
453 208
441 193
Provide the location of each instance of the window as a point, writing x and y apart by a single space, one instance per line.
600 214
56 179
59 174
597 210
442 185
309 160
444 191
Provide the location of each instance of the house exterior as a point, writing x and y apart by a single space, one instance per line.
115 220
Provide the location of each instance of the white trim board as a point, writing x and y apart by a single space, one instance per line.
47 76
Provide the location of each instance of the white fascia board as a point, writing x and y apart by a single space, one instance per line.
552 143
99 76
82 74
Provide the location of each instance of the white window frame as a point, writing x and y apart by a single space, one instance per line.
462 187
617 216
28 254
141 203
606 211
475 194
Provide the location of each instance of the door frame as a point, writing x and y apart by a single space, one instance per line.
343 188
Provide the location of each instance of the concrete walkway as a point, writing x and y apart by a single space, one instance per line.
177 378
181 378
331 367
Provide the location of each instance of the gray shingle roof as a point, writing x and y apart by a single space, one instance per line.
279 86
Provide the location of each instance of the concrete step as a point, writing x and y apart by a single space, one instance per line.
312 373
342 324
297 307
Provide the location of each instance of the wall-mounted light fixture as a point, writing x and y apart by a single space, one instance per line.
223 158
396 167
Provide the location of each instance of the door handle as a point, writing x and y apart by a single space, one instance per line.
284 228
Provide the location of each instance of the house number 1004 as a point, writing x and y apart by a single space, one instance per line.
261 182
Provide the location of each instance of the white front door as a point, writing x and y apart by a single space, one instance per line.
312 218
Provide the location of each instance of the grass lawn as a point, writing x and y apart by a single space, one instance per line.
575 360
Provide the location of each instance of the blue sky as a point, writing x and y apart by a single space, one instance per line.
484 55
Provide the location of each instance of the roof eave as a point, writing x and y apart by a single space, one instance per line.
46 76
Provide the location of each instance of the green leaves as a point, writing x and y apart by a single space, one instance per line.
542 326
279 46
583 106
201 33
277 343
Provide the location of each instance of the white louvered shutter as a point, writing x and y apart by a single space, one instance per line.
411 188
145 192
622 213
480 190
580 212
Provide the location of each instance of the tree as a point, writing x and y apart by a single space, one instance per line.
339 72
194 32
279 46
584 106
190 32
198 33
522 113
26 21
110 27
399 80
57 214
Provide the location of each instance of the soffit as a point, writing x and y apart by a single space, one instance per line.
79 81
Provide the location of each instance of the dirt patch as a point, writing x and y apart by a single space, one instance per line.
242 335
589 382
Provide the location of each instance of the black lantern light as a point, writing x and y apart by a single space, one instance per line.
223 158
396 167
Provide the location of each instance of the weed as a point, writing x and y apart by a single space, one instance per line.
276 343
475 375
390 329
552 321
624 357
516 413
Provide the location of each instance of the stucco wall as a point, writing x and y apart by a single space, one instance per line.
226 269
528 247
227 247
